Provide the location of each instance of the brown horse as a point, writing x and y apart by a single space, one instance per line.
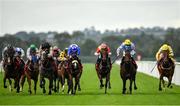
31 71
104 70
76 71
166 69
46 71
128 71
13 67
64 73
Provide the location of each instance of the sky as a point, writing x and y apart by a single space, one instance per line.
70 15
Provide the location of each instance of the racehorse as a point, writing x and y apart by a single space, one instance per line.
128 71
104 70
31 71
13 67
76 71
166 69
46 71
65 73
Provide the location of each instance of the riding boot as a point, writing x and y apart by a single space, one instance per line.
134 62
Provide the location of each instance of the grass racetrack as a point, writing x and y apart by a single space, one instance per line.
146 94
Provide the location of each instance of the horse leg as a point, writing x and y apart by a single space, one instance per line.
22 80
130 87
29 83
4 80
42 83
76 84
35 85
70 85
124 86
134 79
54 80
10 85
79 87
50 85
107 82
169 83
17 84
160 79
62 83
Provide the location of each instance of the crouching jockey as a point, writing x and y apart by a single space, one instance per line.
73 52
19 54
167 48
32 54
55 54
127 45
63 55
102 48
46 47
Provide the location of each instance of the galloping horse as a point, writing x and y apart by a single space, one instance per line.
46 71
166 69
13 67
76 72
64 72
104 70
31 71
128 71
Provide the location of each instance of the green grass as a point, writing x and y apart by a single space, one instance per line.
147 93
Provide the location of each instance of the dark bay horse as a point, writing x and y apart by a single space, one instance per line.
65 73
31 71
46 71
76 72
166 69
104 70
128 71
13 67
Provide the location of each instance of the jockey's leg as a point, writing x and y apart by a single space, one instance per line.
134 62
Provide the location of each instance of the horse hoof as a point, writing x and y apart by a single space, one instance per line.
135 88
49 93
171 86
160 89
109 87
44 91
123 92
79 89
30 92
5 86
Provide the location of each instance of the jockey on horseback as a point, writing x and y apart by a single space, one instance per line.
165 47
5 51
63 55
32 54
101 47
19 54
127 45
46 47
73 52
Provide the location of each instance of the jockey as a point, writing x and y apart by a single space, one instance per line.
63 55
55 52
32 50
101 47
127 45
74 51
165 47
10 47
19 52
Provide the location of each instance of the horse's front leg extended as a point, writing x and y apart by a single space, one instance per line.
107 82
4 80
124 86
10 85
130 87
29 83
76 83
42 83
50 85
22 80
160 79
169 83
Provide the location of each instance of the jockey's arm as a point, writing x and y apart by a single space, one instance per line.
119 49
171 54
22 53
28 53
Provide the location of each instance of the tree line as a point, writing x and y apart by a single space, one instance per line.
147 44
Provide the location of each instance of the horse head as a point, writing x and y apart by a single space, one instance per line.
127 57
9 56
165 59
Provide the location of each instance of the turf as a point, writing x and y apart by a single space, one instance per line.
147 93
